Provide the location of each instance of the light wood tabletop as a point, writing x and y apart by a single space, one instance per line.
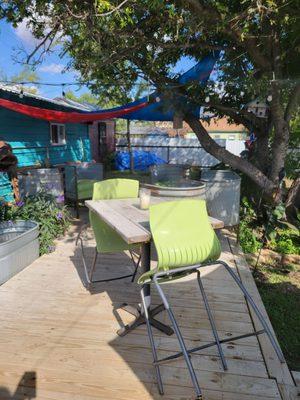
128 220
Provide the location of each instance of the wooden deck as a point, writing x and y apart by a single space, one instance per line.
58 341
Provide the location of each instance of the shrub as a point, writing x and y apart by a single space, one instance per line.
286 241
53 219
276 233
248 239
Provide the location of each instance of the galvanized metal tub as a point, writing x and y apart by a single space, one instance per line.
180 188
165 172
19 247
223 189
48 180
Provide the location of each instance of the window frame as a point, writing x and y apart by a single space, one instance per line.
65 136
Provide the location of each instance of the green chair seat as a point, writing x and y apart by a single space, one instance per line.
85 188
180 238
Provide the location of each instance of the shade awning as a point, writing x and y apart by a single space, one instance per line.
155 107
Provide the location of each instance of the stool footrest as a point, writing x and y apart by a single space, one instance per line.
207 345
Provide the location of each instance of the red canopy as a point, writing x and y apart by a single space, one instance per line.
69 116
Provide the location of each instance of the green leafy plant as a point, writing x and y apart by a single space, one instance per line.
286 241
53 219
271 229
248 239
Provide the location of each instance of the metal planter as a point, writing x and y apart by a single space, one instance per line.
19 247
223 189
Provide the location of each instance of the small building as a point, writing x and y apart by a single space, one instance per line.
101 133
37 142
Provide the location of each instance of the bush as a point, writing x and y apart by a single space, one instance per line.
286 241
248 239
272 229
53 219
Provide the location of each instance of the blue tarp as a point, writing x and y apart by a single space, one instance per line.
142 160
164 109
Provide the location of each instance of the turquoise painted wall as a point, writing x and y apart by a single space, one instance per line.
30 137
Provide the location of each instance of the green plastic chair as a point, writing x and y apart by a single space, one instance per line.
185 241
107 240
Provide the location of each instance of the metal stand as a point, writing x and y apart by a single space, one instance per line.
140 312
89 274
184 351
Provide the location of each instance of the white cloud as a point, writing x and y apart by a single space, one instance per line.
24 33
52 68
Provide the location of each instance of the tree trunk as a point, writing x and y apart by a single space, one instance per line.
234 161
262 160
293 201
281 136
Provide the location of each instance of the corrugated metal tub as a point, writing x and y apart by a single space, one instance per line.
223 195
19 247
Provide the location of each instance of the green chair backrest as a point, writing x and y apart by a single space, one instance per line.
107 240
116 189
183 234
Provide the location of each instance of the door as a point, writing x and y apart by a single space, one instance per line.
102 131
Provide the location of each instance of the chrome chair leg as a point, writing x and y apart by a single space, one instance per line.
152 344
256 310
212 321
186 353
180 340
89 274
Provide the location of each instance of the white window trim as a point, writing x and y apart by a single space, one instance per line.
65 139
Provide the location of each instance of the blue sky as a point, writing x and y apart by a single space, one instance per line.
51 69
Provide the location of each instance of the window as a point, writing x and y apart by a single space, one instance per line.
57 134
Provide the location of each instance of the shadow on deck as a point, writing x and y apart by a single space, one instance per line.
67 335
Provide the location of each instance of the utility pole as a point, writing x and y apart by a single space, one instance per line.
129 147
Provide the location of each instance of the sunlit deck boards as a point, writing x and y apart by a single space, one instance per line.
53 327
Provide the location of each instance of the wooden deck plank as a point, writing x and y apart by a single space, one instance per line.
51 325
277 370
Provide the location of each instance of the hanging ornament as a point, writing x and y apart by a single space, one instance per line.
157 99
269 98
242 94
207 98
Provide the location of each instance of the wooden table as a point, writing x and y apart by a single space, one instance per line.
132 224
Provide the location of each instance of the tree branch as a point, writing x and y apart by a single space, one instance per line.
49 36
248 42
113 10
225 156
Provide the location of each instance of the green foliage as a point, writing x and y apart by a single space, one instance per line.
286 241
279 235
27 74
109 161
280 293
248 238
292 163
53 220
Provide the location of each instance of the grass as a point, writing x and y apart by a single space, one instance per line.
279 287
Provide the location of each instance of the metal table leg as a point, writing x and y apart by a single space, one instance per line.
138 312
